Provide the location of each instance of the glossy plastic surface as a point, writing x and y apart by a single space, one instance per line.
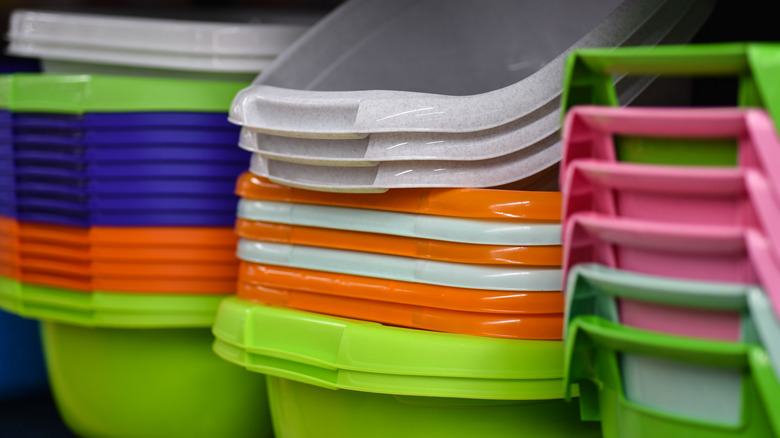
721 311
747 139
107 309
494 277
299 410
499 325
252 275
151 382
329 85
145 42
457 202
402 224
542 255
79 94
694 252
530 169
339 353
631 400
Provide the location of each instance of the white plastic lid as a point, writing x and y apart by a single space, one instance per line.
151 42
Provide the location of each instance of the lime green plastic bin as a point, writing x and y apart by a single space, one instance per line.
140 365
589 73
335 377
642 384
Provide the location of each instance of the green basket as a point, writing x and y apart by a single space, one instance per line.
79 94
337 377
108 309
589 73
616 365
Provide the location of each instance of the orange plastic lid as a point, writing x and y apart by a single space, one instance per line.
547 326
159 254
128 285
165 254
172 286
253 275
548 255
87 269
132 236
464 203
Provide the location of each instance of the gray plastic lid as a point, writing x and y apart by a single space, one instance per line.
443 65
149 42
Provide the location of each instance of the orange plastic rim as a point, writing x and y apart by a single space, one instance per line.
170 254
130 236
465 203
129 285
501 325
254 275
87 269
547 255
135 285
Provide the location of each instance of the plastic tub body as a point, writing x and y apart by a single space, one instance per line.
155 382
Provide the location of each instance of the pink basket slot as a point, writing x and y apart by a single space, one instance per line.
588 132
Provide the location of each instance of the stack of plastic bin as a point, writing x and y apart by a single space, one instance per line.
671 247
430 308
428 317
400 94
119 239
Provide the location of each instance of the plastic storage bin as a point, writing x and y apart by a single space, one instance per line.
129 365
643 384
719 311
413 382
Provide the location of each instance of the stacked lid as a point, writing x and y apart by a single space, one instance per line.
231 49
473 261
671 249
117 185
366 100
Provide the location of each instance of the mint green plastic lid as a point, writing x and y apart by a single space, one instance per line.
78 94
340 353
108 309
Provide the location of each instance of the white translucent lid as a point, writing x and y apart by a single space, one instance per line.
153 42
449 66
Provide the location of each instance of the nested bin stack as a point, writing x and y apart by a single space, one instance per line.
671 246
119 213
378 294
118 236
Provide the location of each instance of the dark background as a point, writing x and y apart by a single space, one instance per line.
750 20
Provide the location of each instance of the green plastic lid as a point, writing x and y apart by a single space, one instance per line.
77 94
108 309
340 353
